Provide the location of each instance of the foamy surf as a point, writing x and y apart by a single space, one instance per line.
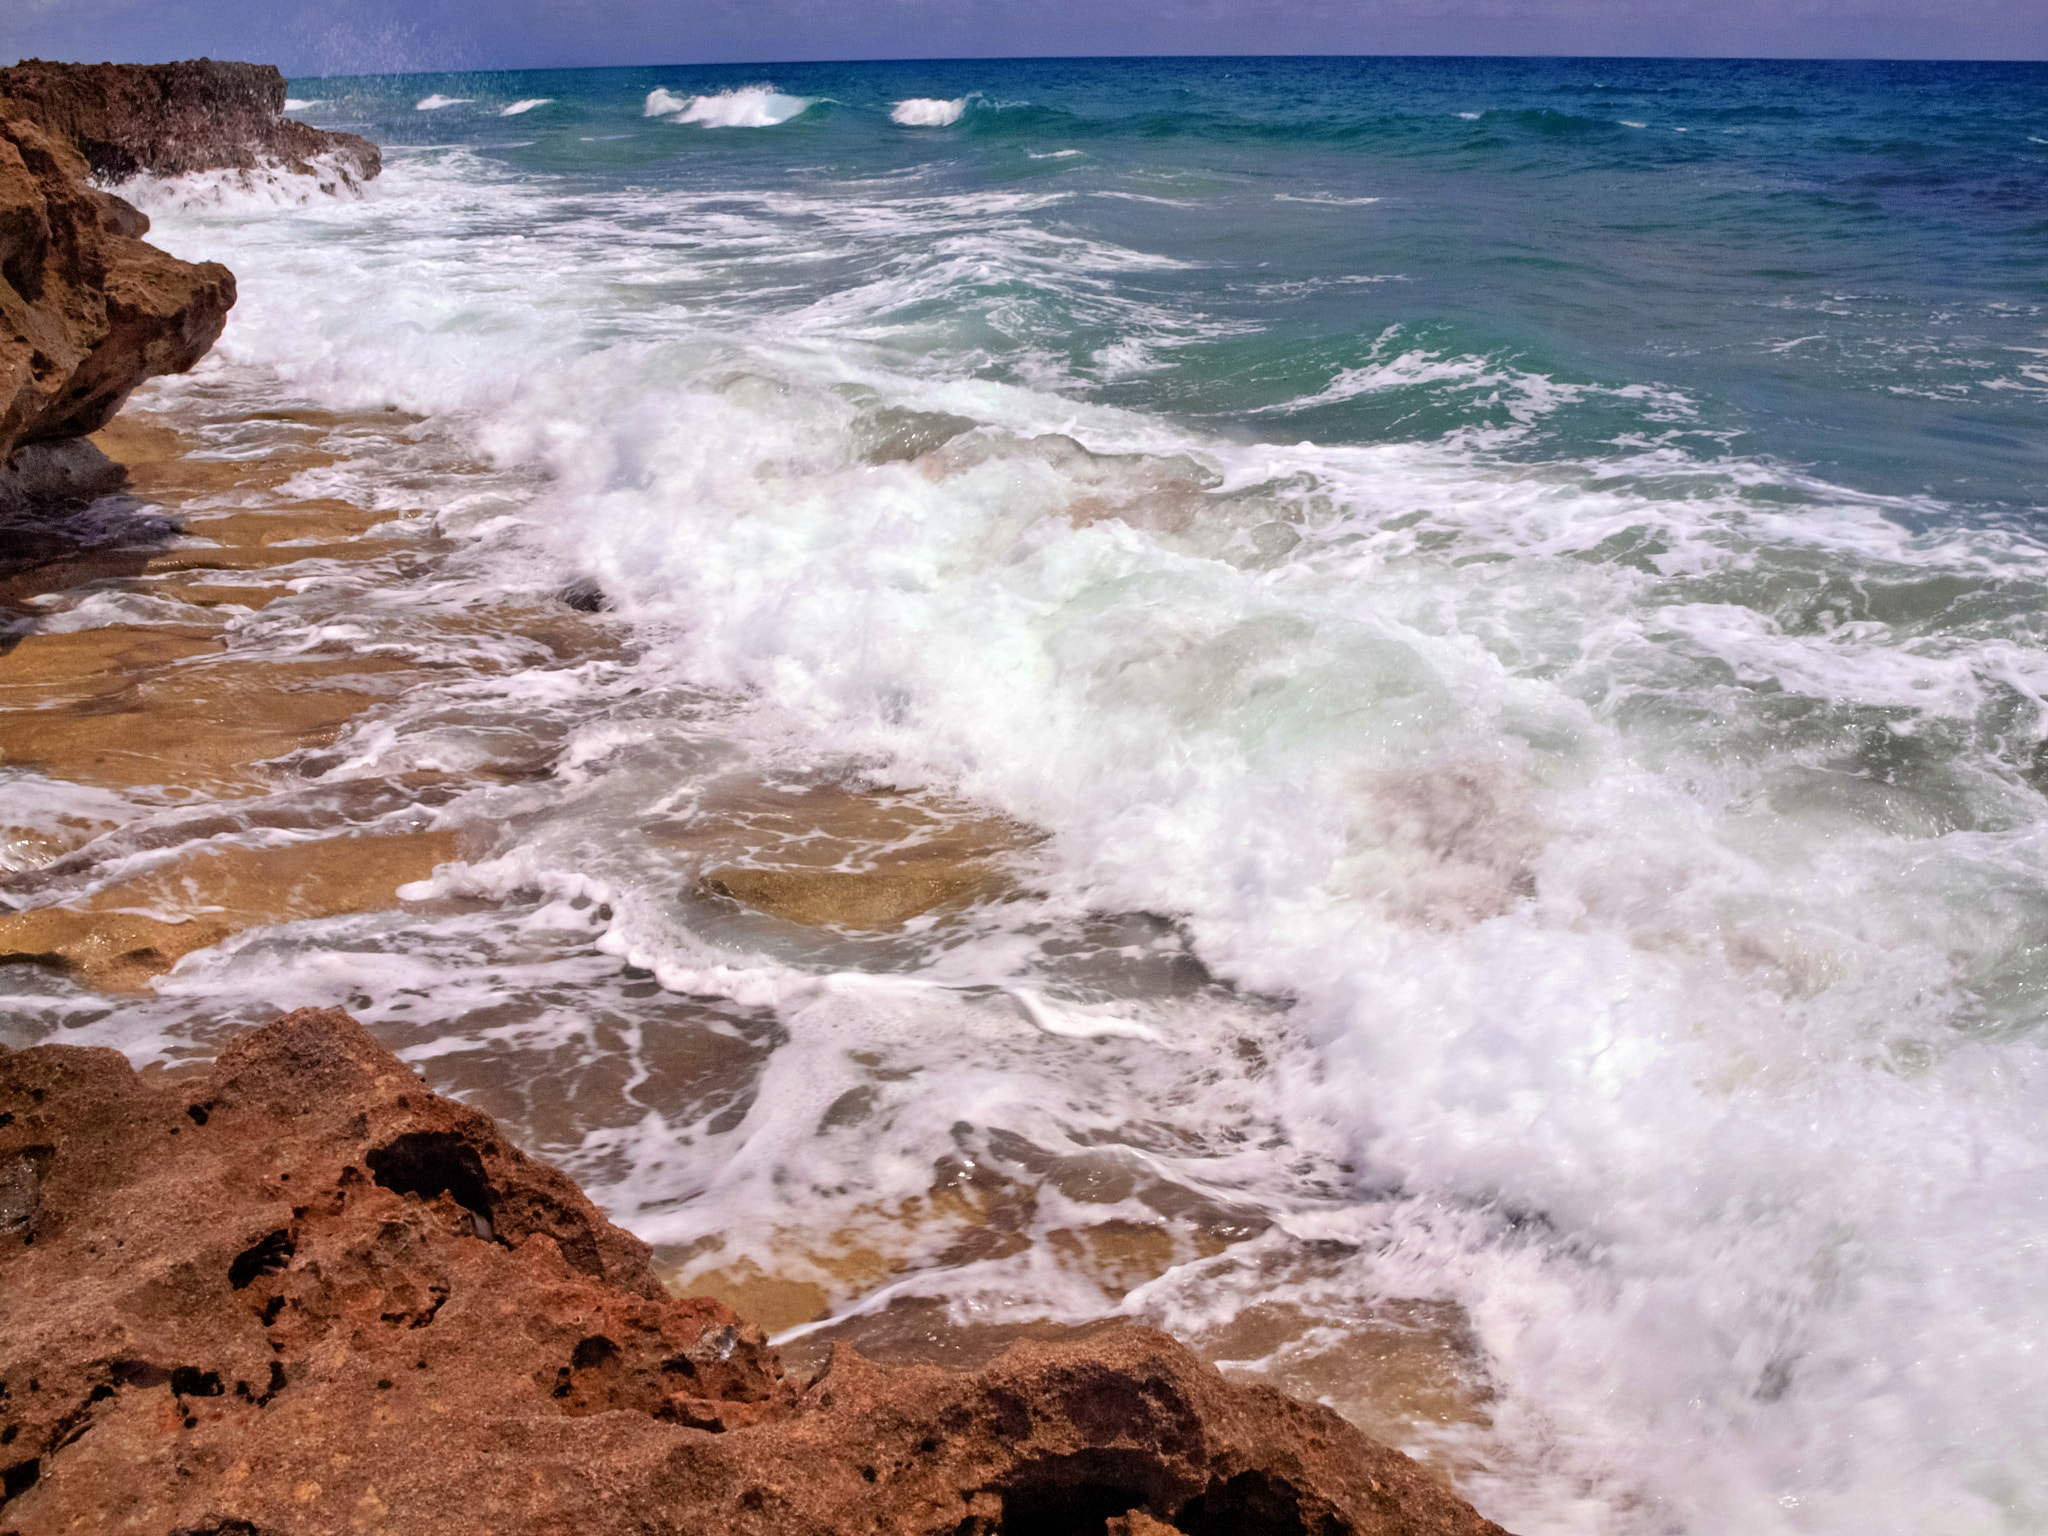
518 108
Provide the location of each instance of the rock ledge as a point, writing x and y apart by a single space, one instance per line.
87 311
174 119
300 1293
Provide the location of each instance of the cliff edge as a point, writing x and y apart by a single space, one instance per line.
301 1293
174 119
87 309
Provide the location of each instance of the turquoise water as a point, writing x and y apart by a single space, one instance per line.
1513 590
1838 264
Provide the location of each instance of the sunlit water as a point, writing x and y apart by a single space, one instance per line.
1509 594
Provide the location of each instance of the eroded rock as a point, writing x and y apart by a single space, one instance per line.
298 1293
115 940
877 899
87 310
209 727
174 119
827 856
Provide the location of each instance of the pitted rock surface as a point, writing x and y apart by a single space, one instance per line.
298 1293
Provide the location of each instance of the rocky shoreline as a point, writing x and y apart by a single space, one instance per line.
291 1289
178 119
88 310
298 1292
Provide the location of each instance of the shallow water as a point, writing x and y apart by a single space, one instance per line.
1417 687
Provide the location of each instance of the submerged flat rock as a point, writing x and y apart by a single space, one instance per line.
296 1292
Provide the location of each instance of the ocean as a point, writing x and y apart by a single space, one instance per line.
1460 642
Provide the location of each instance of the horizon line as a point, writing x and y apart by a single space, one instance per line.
1083 58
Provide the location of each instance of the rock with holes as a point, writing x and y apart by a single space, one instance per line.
1121 1433
297 1293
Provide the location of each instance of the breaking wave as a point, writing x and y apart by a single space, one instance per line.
754 106
924 112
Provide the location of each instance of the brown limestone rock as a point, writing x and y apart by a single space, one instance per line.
876 900
297 1293
116 942
827 856
114 951
173 119
87 310
210 728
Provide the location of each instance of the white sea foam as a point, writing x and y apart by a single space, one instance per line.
247 190
1328 199
753 106
436 102
1525 397
519 107
925 112
293 104
1633 945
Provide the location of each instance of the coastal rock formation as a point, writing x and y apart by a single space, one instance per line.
834 857
87 311
297 1292
110 942
174 119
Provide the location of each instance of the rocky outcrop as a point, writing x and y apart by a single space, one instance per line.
299 1293
87 312
174 119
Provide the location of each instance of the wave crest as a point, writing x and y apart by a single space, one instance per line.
927 112
747 106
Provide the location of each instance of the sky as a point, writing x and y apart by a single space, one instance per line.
323 37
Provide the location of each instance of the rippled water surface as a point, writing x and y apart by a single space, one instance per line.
1386 712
